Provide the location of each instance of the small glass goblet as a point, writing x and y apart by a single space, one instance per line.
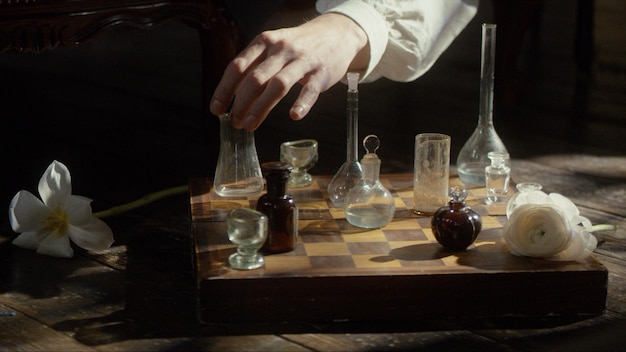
247 228
302 155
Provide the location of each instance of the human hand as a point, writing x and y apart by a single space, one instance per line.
316 54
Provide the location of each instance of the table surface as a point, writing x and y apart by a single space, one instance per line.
141 293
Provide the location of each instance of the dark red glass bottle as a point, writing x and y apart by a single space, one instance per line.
280 208
456 226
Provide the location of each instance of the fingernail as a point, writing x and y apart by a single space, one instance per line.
249 122
298 111
216 105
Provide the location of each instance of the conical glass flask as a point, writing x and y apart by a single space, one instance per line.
349 174
472 158
369 204
238 173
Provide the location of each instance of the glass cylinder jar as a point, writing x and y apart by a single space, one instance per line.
238 173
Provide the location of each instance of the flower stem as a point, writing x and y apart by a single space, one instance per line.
618 232
147 199
603 227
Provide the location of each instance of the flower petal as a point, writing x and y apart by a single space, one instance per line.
27 212
537 230
78 210
29 240
536 197
583 222
94 235
530 197
581 246
565 204
56 246
55 184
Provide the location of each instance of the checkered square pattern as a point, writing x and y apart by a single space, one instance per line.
329 245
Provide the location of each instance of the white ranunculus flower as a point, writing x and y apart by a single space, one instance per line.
548 226
47 225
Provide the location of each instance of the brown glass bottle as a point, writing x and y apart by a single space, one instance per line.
280 209
456 226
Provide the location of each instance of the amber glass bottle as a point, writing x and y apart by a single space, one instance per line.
280 209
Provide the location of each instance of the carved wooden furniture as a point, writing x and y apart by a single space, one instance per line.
34 26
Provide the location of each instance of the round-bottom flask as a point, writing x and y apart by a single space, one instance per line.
369 204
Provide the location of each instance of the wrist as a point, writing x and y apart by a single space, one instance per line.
353 36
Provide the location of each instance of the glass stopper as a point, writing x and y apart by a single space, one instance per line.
458 194
276 169
371 143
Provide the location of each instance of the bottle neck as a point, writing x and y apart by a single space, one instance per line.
487 71
353 126
485 114
498 166
371 169
276 187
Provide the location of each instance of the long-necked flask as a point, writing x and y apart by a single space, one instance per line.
349 174
238 173
473 158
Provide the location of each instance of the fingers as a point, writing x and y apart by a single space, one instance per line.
306 99
233 75
261 99
266 71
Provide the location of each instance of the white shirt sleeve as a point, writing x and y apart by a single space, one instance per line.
405 36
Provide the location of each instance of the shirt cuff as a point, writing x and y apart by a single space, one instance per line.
369 19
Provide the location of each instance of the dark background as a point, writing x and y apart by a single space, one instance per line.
124 111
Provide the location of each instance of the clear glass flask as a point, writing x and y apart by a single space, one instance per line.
369 204
497 177
472 158
349 174
238 172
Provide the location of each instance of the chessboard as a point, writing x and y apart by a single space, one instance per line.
398 272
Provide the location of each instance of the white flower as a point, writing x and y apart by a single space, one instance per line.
47 225
548 226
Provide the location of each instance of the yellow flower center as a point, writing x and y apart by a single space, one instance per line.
57 222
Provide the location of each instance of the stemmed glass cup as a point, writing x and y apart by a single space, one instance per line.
247 228
302 155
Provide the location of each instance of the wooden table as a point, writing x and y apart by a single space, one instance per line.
141 293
